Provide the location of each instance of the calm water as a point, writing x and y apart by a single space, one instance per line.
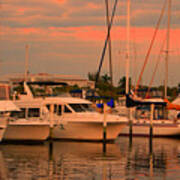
86 161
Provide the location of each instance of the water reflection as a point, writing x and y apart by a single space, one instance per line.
86 161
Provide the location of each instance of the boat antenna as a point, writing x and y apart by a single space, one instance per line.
109 42
106 41
26 63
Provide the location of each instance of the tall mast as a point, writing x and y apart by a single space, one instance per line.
127 47
109 42
106 41
26 63
167 49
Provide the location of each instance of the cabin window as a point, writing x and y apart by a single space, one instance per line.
77 107
34 112
48 106
88 107
59 110
18 114
55 108
159 112
81 107
67 110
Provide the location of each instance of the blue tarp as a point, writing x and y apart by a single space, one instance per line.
110 104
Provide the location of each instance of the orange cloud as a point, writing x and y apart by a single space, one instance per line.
96 33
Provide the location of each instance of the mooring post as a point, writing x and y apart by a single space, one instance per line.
151 126
104 127
51 128
51 125
130 124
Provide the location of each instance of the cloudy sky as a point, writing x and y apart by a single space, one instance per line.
67 37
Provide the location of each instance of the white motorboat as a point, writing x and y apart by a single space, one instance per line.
29 124
6 106
75 119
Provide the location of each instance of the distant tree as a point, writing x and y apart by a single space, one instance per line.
122 82
92 76
105 78
19 89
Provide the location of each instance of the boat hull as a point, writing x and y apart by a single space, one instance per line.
26 132
87 131
2 130
159 130
3 124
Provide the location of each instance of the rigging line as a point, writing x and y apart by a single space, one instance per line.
107 38
109 42
155 70
151 45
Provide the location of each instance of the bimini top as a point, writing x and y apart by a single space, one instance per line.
7 105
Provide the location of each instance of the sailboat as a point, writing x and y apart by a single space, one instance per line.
141 122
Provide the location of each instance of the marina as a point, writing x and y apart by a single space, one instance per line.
95 93
77 160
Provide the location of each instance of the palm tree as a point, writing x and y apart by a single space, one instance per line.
106 78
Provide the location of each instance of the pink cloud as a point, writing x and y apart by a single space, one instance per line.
94 33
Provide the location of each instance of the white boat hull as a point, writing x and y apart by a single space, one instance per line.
92 131
159 129
2 130
3 122
26 132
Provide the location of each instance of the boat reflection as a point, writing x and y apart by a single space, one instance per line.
80 160
24 162
160 160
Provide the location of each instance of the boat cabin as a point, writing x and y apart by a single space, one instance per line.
144 112
29 110
66 105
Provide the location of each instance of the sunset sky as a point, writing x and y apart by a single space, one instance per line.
67 37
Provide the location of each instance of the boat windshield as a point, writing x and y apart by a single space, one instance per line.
82 107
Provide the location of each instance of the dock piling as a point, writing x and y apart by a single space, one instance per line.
104 128
130 124
151 126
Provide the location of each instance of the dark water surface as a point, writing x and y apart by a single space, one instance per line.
86 161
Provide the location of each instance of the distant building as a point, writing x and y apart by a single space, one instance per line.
70 80
4 91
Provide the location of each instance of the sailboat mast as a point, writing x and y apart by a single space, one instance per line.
109 42
106 41
26 63
167 49
127 47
